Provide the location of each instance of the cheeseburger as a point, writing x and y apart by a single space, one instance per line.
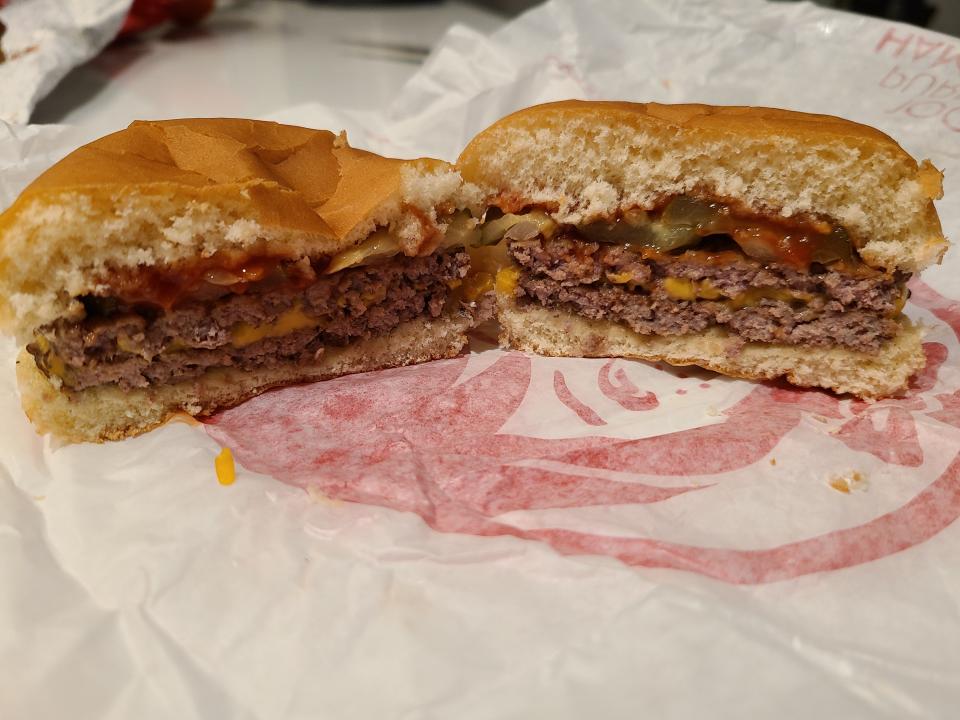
187 265
755 242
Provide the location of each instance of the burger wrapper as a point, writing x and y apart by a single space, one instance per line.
508 536
44 40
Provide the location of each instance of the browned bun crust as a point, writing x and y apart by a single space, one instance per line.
288 177
741 119
588 159
110 413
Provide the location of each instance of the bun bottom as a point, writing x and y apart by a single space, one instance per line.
110 413
559 333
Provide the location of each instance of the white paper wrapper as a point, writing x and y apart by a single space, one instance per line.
45 39
503 536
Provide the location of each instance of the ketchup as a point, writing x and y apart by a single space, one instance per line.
168 286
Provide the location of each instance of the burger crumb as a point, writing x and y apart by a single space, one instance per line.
848 482
225 467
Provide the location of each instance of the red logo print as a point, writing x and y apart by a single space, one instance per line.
428 439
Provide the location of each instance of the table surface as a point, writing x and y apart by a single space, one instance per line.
252 58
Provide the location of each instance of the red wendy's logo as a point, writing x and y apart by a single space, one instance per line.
424 440
624 392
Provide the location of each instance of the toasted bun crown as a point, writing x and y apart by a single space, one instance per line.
590 159
163 192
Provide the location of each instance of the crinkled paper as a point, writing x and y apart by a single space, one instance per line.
508 536
44 40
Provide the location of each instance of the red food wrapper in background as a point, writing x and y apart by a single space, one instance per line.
146 14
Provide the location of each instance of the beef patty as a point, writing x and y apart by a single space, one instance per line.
665 294
137 346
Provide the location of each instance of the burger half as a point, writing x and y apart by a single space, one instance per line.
755 242
187 265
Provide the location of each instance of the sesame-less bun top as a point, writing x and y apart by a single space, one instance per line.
591 159
160 193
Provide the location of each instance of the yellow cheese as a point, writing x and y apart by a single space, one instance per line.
126 344
294 319
754 295
56 366
680 288
619 278
476 285
226 470
51 361
685 289
707 290
507 279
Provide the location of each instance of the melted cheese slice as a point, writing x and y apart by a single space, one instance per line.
243 334
507 279
753 296
685 289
